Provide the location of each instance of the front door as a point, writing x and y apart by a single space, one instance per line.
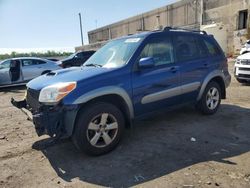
5 73
15 71
158 86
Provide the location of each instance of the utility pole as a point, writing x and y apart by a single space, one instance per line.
202 11
80 19
96 24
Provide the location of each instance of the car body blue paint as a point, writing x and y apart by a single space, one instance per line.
138 83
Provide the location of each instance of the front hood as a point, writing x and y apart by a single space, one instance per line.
244 56
65 75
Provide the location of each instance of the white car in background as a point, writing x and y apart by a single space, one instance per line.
18 71
242 68
246 48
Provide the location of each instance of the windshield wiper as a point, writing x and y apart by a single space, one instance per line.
93 65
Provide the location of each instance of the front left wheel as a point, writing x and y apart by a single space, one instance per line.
98 128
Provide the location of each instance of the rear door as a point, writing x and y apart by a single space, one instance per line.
191 55
158 86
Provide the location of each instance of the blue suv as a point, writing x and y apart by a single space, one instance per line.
127 78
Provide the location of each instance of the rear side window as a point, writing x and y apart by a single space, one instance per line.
160 50
212 47
187 48
38 62
28 62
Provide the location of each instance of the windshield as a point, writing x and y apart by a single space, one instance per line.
5 64
114 54
71 56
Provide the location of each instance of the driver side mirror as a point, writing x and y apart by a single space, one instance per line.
147 62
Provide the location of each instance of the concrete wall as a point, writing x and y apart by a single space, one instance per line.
185 13
226 12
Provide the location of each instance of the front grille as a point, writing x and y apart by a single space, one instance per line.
244 75
33 99
244 69
245 62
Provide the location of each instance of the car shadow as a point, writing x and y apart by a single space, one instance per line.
13 89
157 146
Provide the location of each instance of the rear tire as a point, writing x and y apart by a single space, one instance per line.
211 99
98 128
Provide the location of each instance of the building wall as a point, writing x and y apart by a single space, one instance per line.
226 12
185 13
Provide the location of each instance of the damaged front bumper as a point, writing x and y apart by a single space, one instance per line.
50 120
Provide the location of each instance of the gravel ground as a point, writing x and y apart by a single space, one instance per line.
181 148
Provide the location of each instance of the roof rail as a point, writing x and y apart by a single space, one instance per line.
168 28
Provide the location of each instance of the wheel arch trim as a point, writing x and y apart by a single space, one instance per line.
108 90
207 79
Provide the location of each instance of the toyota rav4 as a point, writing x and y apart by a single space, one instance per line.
127 78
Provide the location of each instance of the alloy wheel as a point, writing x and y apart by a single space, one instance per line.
212 98
102 130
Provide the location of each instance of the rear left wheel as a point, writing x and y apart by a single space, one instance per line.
211 99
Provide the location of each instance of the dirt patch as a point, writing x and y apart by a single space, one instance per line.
181 148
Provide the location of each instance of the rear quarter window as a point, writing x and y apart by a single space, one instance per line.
212 47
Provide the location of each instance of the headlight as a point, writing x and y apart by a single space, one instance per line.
54 93
237 61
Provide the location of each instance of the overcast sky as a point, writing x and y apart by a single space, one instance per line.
54 23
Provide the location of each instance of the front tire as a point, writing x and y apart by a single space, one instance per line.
211 99
98 128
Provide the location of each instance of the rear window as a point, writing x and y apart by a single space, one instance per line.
212 47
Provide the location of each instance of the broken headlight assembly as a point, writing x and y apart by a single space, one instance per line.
54 93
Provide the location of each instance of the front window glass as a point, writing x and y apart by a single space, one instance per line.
160 50
114 54
5 64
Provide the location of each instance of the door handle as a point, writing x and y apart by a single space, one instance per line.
205 64
174 69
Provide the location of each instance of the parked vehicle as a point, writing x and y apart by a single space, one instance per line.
76 59
128 78
18 71
242 68
53 59
245 48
